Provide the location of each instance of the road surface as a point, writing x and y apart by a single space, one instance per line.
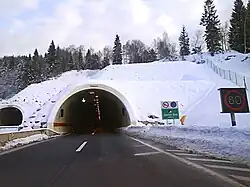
103 160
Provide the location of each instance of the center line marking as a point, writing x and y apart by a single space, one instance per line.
81 146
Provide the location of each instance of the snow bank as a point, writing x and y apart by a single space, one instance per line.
24 141
230 143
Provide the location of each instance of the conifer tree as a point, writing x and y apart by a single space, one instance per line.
211 23
247 29
236 30
117 51
184 42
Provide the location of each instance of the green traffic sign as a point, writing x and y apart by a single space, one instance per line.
170 113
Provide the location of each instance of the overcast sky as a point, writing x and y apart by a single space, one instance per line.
29 24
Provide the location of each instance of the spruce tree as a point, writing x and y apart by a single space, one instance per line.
36 54
117 51
51 58
211 23
71 62
80 60
184 42
236 30
247 29
95 62
36 66
88 60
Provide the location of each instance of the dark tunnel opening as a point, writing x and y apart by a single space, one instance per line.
95 111
10 116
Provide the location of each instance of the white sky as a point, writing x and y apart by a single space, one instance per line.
29 24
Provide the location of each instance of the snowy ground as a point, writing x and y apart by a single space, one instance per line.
233 61
230 143
23 141
145 85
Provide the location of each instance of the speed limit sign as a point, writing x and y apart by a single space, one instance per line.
234 100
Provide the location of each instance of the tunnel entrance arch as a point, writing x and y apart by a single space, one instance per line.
113 104
10 115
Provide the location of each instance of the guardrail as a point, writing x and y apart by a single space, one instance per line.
6 137
236 78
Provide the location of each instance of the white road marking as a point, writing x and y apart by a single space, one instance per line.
81 147
139 145
146 154
229 168
211 172
209 160
187 154
175 150
247 179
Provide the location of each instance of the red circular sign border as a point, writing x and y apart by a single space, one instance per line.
165 103
228 105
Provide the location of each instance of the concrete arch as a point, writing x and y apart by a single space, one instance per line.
19 114
91 86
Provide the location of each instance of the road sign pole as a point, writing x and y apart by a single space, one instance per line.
233 119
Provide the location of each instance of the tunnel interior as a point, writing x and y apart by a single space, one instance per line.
10 116
93 110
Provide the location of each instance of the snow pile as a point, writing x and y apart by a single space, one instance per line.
230 143
23 141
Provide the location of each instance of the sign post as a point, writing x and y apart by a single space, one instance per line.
234 100
170 110
233 119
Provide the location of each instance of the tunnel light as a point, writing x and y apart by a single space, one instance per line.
91 93
83 100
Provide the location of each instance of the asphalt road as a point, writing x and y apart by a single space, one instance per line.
105 160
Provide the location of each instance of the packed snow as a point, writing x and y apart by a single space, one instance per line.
23 141
193 85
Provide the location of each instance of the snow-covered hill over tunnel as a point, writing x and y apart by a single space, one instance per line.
141 86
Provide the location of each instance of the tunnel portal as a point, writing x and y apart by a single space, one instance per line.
92 110
10 116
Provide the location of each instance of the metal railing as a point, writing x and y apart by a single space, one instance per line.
236 78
